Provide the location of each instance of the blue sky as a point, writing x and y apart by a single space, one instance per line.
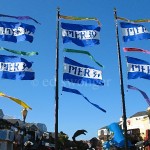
74 112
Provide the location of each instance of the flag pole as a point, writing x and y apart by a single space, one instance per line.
121 82
56 80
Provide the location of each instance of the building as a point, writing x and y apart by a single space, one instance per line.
138 127
103 134
1 113
139 123
14 132
6 133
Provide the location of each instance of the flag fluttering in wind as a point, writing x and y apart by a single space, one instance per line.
16 31
77 92
130 49
132 32
133 21
83 52
138 68
79 18
143 93
20 17
78 73
81 35
13 67
18 101
19 52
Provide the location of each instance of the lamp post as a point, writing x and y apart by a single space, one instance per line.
24 115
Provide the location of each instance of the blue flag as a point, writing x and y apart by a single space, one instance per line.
78 73
77 92
13 67
117 135
16 32
138 68
132 32
81 35
142 92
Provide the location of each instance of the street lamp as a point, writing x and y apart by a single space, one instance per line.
24 114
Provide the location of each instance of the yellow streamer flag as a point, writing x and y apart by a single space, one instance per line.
79 18
133 21
23 104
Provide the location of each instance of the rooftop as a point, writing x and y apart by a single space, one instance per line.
138 114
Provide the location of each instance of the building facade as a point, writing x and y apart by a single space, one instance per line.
138 128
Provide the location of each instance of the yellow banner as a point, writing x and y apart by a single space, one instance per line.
79 18
18 101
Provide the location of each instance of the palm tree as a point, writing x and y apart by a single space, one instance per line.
80 145
63 139
78 132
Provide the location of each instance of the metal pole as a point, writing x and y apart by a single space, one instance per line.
121 82
24 115
56 81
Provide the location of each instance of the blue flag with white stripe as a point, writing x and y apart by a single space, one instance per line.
132 32
138 68
16 31
78 73
81 35
79 93
15 68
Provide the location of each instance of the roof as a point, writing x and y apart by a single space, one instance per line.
14 121
4 120
32 126
138 114
103 128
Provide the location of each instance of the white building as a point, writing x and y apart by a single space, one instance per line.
138 123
